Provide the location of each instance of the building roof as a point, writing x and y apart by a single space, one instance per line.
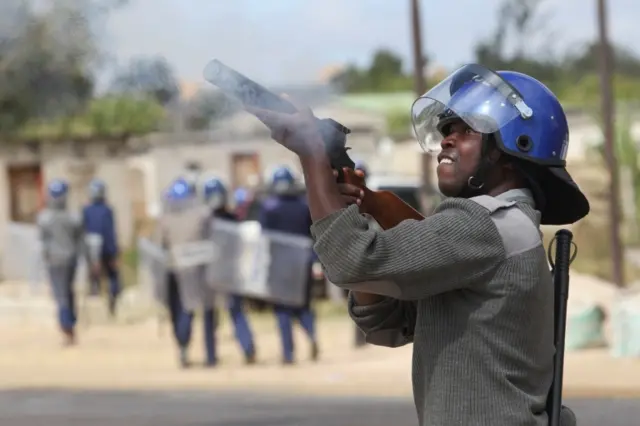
381 103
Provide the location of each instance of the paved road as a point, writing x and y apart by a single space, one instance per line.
64 408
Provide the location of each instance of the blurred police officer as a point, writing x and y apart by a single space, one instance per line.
184 226
216 197
102 242
62 243
286 211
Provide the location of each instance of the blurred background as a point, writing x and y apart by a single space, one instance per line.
113 89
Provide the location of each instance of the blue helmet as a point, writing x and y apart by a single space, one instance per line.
240 196
57 188
524 119
282 180
215 193
180 190
97 189
213 186
283 174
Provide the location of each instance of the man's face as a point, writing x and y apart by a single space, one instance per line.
461 151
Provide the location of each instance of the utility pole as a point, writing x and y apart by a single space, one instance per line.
608 114
420 87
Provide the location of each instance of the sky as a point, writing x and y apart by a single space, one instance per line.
291 41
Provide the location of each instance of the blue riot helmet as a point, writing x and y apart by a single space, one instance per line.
282 181
57 188
57 191
97 189
240 196
215 193
180 190
520 117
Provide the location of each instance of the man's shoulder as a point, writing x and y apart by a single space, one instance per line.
489 217
518 231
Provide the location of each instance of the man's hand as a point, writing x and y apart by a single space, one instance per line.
297 132
351 193
316 271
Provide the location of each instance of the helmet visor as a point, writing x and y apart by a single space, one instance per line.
474 94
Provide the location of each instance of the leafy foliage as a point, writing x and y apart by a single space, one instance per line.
149 76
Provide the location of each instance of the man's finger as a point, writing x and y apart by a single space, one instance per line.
352 190
351 200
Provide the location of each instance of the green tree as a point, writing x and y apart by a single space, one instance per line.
150 76
206 107
384 74
47 59
123 116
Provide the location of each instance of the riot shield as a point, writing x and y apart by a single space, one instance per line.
93 244
191 262
153 269
186 230
266 265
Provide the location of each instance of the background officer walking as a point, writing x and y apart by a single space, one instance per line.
287 211
62 243
216 197
100 229
183 225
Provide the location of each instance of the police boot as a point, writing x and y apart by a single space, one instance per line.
69 338
184 358
112 307
250 357
315 351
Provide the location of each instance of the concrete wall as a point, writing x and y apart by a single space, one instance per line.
165 161
78 164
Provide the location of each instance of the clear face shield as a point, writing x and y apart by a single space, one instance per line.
474 94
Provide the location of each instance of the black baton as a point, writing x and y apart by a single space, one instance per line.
560 271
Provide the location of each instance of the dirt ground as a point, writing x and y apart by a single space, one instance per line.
143 357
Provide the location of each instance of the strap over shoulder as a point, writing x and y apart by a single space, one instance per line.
518 231
492 204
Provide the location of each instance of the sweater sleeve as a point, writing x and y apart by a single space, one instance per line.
456 246
390 322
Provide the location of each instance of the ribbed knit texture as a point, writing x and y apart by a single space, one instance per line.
480 319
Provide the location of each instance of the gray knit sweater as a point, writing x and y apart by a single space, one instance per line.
470 287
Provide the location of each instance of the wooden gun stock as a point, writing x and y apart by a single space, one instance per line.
384 206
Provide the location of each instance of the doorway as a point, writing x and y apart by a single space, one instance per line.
26 192
245 170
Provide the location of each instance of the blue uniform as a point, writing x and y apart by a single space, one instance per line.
185 221
235 307
290 214
98 218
